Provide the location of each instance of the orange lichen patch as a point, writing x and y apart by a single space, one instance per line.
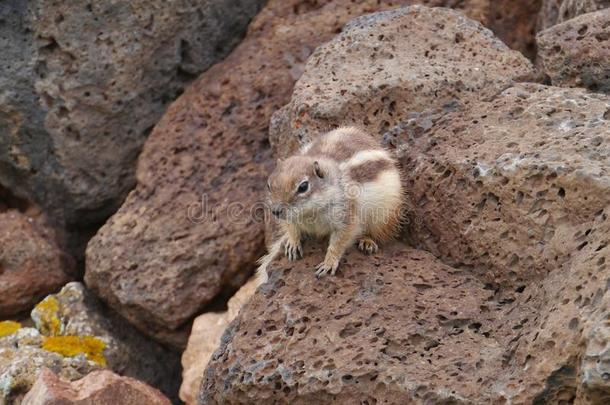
47 314
70 346
9 327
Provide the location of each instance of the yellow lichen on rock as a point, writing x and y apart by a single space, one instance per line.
9 327
46 316
71 346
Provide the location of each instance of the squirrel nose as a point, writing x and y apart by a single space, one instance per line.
277 210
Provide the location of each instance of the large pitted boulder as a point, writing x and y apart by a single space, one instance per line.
576 53
32 264
386 65
517 311
98 387
557 11
515 190
190 229
82 83
74 313
393 328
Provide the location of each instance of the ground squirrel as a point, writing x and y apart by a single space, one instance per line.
343 185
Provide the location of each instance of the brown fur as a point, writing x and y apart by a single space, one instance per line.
369 171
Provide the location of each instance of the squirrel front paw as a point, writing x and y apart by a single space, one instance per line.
327 266
293 250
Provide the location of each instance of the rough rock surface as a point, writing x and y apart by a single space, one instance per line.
22 358
488 196
410 59
32 264
204 340
517 312
398 327
98 387
527 213
78 79
557 11
576 53
74 311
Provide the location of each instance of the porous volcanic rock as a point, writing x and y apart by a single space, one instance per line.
32 264
515 190
385 65
204 340
501 186
22 358
557 11
516 312
576 53
74 311
393 328
191 227
98 387
82 83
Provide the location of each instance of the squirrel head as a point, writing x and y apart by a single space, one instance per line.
298 187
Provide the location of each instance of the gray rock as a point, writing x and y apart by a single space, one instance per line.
22 358
74 311
82 83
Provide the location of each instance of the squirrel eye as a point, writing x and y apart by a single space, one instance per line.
303 187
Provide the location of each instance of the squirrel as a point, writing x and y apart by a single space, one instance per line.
344 185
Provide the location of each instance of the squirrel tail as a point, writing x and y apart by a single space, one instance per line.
265 261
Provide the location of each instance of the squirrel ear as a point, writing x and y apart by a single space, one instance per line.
318 170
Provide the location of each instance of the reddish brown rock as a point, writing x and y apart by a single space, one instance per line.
98 387
32 264
516 312
386 65
191 227
527 213
576 53
398 327
557 11
489 195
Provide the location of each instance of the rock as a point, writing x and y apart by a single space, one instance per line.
503 204
510 305
32 264
79 79
576 53
398 327
21 359
523 213
75 314
98 387
557 11
205 338
411 59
